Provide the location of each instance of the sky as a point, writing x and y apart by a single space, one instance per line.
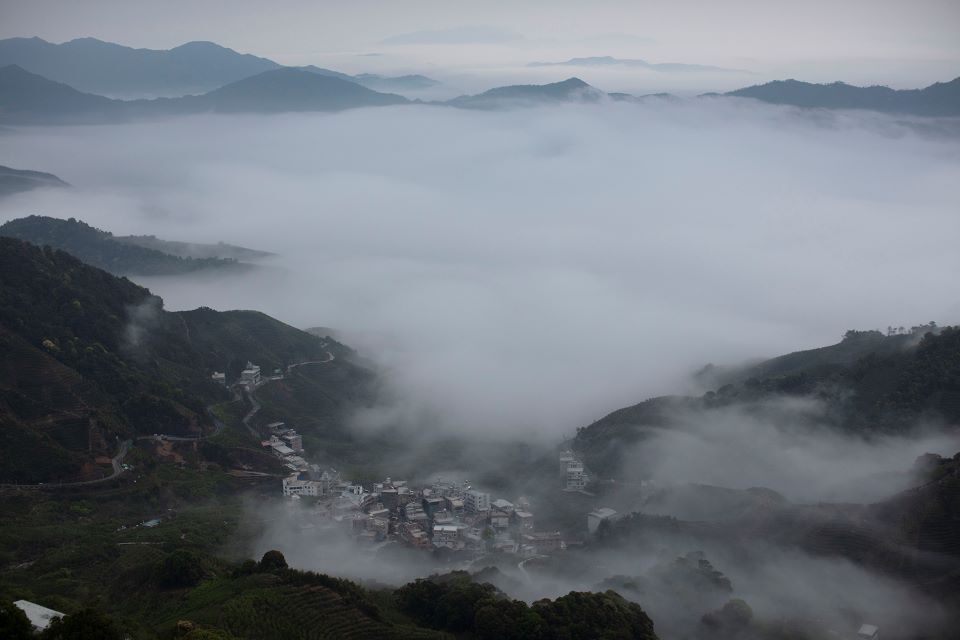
476 45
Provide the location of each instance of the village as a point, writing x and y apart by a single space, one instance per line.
446 514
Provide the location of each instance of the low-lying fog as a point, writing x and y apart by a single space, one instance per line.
527 271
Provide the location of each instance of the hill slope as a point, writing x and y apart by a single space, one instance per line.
869 384
91 359
100 249
18 180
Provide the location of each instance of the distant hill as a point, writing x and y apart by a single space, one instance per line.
29 98
102 250
610 61
287 90
26 98
195 250
91 359
95 66
940 99
18 180
569 90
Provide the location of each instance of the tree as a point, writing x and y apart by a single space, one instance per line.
14 623
86 624
182 568
272 560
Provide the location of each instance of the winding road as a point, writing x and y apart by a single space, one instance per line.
117 461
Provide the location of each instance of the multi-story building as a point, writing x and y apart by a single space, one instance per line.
573 475
447 535
476 501
295 486
250 374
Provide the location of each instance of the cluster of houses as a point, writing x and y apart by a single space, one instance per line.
250 376
447 515
287 445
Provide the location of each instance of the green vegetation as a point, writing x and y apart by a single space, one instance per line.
102 250
454 602
91 359
869 384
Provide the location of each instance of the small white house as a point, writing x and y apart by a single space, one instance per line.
250 374
40 617
219 377
868 632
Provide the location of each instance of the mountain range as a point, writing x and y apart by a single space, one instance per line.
44 83
99 67
27 98
940 99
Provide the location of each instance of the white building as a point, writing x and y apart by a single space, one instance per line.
595 517
219 377
476 501
294 486
40 617
868 632
251 374
573 475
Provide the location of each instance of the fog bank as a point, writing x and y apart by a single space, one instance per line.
528 271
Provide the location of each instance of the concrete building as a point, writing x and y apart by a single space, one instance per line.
447 535
595 517
293 440
454 505
476 501
543 542
219 377
250 374
573 475
40 617
523 521
432 505
414 535
294 485
499 520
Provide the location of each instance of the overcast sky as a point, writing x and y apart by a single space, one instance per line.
903 44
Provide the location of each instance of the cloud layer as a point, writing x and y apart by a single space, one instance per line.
528 271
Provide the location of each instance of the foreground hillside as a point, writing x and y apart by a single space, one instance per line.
92 360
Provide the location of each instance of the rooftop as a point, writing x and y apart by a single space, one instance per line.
39 616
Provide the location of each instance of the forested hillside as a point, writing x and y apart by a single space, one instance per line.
100 249
869 383
91 359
